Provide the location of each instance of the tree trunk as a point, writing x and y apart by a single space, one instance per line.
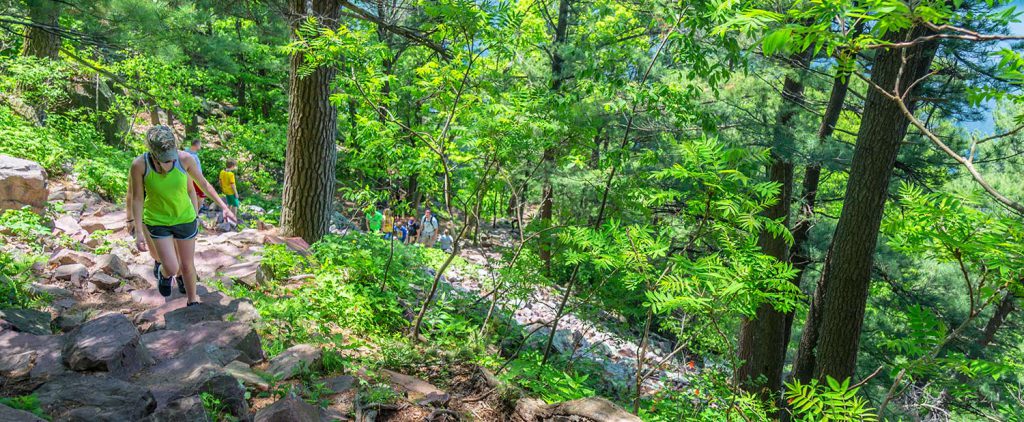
312 130
762 342
812 176
997 320
41 38
557 77
834 324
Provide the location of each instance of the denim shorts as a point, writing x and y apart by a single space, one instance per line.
183 231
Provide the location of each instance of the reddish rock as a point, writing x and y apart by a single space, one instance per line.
108 343
113 221
296 358
22 183
112 265
165 344
71 272
104 282
289 410
78 397
70 256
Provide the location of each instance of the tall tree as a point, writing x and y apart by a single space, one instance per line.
762 342
561 27
832 331
42 37
312 130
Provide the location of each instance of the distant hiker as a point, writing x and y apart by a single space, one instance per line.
228 186
388 225
200 196
428 229
445 241
161 209
374 220
413 227
401 231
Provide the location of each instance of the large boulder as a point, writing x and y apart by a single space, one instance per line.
289 410
196 371
215 306
108 343
295 359
26 320
22 183
166 344
27 361
239 310
95 398
14 415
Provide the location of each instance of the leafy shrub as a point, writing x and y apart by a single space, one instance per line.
833 401
549 383
23 224
29 403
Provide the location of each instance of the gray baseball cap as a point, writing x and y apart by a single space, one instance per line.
161 143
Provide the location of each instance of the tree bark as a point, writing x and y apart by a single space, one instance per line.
762 342
42 39
834 324
799 256
557 77
312 131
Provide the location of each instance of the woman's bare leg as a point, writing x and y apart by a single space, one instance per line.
186 256
167 256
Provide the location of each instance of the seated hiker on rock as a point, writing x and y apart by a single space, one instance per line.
161 207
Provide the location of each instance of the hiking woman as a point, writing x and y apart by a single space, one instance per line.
162 209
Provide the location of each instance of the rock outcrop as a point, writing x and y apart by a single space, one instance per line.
22 183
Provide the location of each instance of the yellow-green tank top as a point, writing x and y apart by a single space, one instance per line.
167 202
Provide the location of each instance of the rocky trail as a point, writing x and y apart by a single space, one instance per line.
109 347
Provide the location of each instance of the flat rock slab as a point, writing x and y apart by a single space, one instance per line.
113 221
166 344
108 343
340 383
71 272
246 375
71 256
416 389
196 371
105 282
295 359
14 415
155 319
28 360
595 408
288 410
94 398
27 320
247 273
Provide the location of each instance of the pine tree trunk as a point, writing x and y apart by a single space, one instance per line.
799 256
835 324
42 40
312 130
557 77
762 342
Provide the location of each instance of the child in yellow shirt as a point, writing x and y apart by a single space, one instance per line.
227 185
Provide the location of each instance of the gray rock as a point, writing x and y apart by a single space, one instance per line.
166 344
68 321
339 384
416 389
28 360
104 282
95 398
22 183
53 291
71 272
246 375
27 320
156 318
289 410
108 343
184 409
196 371
247 273
112 265
14 415
296 358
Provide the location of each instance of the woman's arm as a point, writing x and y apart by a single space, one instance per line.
192 169
135 190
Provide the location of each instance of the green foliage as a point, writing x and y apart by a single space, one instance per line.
23 224
710 397
216 409
833 401
15 278
549 383
29 403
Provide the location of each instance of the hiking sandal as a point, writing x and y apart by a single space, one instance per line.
193 304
